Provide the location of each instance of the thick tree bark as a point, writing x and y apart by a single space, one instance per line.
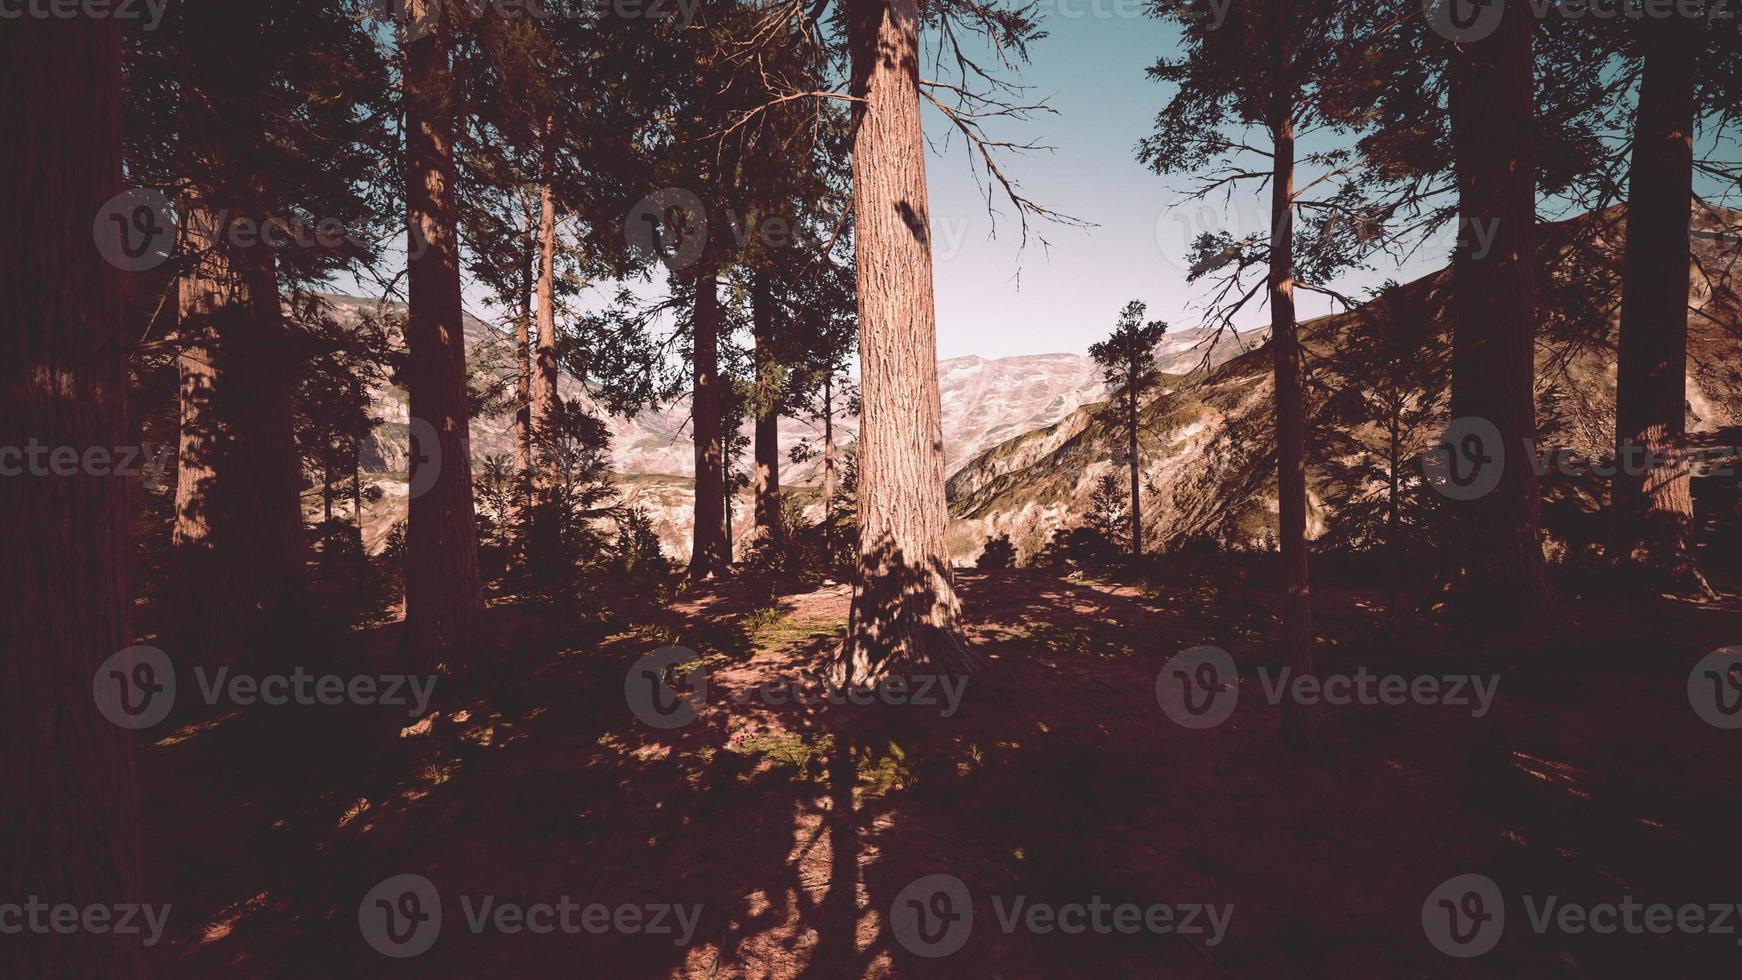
1494 316
523 362
444 596
906 615
1653 504
708 555
237 542
1298 729
71 815
1393 546
1136 467
767 439
545 547
828 445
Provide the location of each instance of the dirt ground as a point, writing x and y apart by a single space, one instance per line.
1058 779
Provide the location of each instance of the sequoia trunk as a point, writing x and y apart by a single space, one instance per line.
71 817
1494 318
905 613
708 549
1653 502
444 596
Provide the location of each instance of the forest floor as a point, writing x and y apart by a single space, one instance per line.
1057 779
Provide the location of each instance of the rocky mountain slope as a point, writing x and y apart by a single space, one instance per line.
1208 456
985 402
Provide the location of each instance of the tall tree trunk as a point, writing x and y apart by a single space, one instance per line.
444 596
545 547
1653 505
357 495
1136 467
708 554
726 481
71 816
767 448
1494 315
523 362
828 445
1298 728
237 541
906 615
1393 546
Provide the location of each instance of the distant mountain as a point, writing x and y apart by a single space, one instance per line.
985 402
1208 461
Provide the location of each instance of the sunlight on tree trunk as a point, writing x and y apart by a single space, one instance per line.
1653 505
905 614
1298 729
708 548
767 447
544 549
444 597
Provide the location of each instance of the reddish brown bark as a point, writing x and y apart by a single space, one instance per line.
238 549
1494 315
766 450
523 361
545 547
1298 730
1135 462
828 445
708 554
1653 504
70 824
444 597
905 613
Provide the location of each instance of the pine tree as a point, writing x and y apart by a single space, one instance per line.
1127 359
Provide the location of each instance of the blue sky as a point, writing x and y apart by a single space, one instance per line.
995 298
1091 70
